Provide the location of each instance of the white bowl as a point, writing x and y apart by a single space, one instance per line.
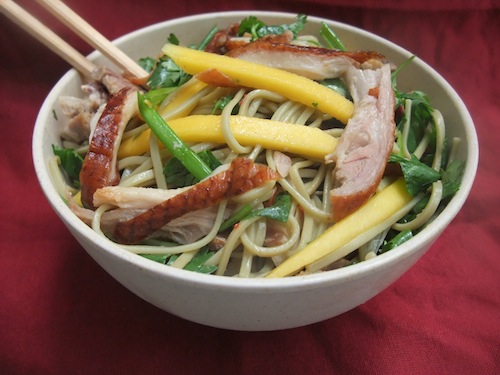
259 304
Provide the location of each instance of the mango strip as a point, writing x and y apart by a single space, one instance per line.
180 96
177 105
249 131
248 74
380 207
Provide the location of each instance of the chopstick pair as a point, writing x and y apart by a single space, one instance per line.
83 29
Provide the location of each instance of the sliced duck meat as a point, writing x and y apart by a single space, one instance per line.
100 167
78 112
367 141
242 175
312 62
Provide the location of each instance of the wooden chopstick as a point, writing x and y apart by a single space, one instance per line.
80 27
47 37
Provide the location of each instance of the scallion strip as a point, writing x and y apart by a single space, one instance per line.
239 215
207 38
191 161
331 39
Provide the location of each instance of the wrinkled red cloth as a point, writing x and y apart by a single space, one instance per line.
60 313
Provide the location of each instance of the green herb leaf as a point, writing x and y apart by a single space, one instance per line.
172 39
157 96
337 85
236 217
147 63
167 74
418 176
258 28
177 175
397 240
421 115
279 210
330 37
221 103
71 163
159 258
197 263
452 178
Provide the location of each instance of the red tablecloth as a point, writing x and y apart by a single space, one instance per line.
62 314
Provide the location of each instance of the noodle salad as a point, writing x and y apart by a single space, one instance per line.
259 152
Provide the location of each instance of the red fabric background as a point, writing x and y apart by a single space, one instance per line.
61 314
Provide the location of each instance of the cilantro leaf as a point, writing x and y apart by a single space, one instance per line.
197 263
71 162
167 74
336 84
178 176
279 210
147 63
418 176
421 115
221 103
397 240
257 28
157 96
452 178
159 258
172 39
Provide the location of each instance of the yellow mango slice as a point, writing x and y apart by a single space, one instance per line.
248 131
179 97
178 105
248 74
379 207
136 145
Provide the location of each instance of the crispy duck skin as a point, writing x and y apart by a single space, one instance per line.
100 167
242 175
312 62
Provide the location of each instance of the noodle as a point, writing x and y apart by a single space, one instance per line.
257 244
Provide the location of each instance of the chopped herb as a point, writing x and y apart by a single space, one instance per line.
221 103
452 178
160 258
147 63
71 163
167 74
397 240
418 176
279 210
239 215
157 96
330 37
197 263
337 85
257 28
419 206
172 38
177 175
